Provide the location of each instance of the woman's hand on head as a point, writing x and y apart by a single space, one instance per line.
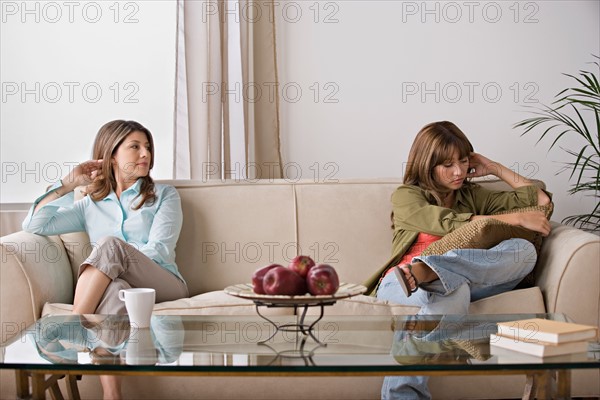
480 165
83 174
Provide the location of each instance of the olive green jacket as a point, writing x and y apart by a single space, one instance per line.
414 211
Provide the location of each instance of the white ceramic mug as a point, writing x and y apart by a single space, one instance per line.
139 303
140 348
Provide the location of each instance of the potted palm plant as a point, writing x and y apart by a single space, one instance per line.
575 112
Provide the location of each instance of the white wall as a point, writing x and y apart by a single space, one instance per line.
349 71
389 67
66 69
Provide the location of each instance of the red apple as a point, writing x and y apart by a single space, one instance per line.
258 277
322 280
282 280
301 264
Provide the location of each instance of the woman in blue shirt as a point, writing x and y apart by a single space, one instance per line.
133 224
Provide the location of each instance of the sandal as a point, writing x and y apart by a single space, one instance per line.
404 281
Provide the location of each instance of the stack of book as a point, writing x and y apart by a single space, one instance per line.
543 337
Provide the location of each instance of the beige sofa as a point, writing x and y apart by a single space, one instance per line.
232 228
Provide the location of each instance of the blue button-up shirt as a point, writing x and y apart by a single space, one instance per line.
153 229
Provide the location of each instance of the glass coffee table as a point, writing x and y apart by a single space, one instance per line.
71 346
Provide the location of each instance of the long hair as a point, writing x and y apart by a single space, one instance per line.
435 144
109 138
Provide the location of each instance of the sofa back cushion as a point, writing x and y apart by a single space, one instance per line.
230 229
346 224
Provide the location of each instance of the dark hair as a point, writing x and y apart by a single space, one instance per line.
109 138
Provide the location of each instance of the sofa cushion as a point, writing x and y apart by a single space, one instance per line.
57 309
365 305
78 247
519 301
215 303
211 303
335 228
229 231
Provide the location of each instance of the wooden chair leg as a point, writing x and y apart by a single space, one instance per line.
51 384
38 386
544 389
563 384
22 378
55 392
539 385
72 389
530 388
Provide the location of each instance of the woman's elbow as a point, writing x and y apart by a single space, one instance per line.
30 225
26 226
31 229
543 198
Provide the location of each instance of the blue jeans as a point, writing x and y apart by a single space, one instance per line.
465 275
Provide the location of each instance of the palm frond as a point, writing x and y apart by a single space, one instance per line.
566 117
586 222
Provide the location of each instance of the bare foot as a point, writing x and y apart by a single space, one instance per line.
421 273
410 277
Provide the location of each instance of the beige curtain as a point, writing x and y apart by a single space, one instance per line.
223 129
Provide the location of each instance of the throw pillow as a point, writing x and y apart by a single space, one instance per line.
537 237
487 233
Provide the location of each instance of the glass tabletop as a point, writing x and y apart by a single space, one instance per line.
240 344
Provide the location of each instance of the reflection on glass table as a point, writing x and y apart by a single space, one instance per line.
465 339
217 344
107 339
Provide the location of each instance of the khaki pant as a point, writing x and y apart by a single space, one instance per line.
127 267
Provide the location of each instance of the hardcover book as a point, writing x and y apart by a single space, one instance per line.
547 331
538 348
508 356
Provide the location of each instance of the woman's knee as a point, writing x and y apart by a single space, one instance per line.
456 302
108 256
110 242
524 254
519 246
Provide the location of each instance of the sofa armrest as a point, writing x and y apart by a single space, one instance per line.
33 270
569 276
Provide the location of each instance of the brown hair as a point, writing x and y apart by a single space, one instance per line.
109 138
435 144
